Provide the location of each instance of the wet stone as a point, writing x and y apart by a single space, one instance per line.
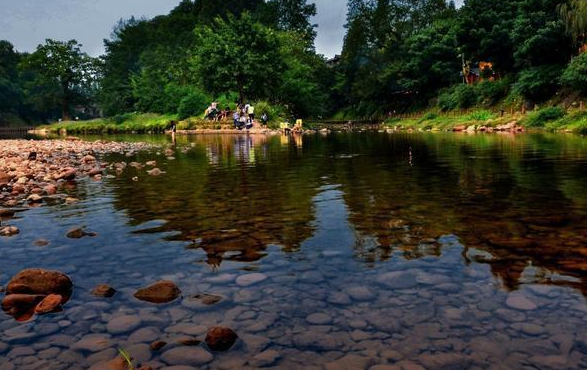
265 358
93 343
250 279
319 319
123 324
398 280
360 293
520 302
350 362
194 356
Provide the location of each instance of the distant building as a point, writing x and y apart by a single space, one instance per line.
483 71
333 62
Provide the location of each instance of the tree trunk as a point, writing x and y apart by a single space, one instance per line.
65 102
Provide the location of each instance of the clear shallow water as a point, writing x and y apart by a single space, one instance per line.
433 250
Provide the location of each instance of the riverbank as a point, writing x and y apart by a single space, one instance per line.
552 119
34 173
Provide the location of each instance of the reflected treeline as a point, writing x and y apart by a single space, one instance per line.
516 202
232 196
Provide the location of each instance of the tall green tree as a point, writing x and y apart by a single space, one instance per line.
64 74
574 15
10 90
238 55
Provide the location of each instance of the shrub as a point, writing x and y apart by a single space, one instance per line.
193 104
541 117
459 96
428 117
538 83
480 115
575 75
491 92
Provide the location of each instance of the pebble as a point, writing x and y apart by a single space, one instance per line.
319 319
250 279
123 324
265 358
520 302
195 356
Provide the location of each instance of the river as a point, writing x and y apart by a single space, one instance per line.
327 251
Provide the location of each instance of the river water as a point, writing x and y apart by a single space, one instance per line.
356 250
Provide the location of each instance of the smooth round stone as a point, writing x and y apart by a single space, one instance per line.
360 293
144 335
519 302
350 362
47 328
385 367
187 356
265 358
530 329
339 298
140 352
250 279
319 319
398 279
123 324
312 277
180 367
93 343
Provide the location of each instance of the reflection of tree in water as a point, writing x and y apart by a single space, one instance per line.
223 201
499 194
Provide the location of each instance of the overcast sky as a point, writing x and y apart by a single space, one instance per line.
27 23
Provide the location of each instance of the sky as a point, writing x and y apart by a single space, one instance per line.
27 23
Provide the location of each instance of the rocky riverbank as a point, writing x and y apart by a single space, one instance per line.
33 173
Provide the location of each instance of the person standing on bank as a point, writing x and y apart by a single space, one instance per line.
264 119
251 112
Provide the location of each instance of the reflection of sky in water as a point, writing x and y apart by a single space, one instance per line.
426 250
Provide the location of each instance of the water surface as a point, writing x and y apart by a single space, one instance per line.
435 251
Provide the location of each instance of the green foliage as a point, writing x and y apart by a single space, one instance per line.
63 75
541 117
575 75
538 83
460 96
240 55
193 104
492 92
480 115
274 112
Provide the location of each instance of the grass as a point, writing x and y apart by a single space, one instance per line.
433 120
137 123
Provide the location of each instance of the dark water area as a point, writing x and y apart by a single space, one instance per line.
368 250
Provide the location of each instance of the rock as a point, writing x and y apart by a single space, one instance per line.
520 302
49 304
398 279
315 340
76 233
339 298
6 213
34 198
41 242
206 299
117 363
265 358
220 338
250 279
360 293
103 290
385 367
40 281
21 306
161 292
350 362
157 345
319 319
123 324
88 159
155 172
9 231
67 174
93 343
5 178
196 356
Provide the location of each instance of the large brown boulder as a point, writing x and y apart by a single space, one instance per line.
220 338
5 178
21 306
161 292
41 282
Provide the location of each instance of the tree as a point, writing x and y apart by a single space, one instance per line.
64 73
575 75
10 90
574 15
295 15
239 55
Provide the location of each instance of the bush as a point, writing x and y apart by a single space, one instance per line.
428 117
575 75
492 92
193 104
480 115
459 96
229 99
538 83
541 117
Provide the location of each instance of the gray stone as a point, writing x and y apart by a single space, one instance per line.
361 293
520 302
250 279
145 335
93 343
319 319
398 280
265 358
123 324
187 356
350 362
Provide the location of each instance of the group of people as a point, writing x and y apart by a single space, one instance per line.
243 117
